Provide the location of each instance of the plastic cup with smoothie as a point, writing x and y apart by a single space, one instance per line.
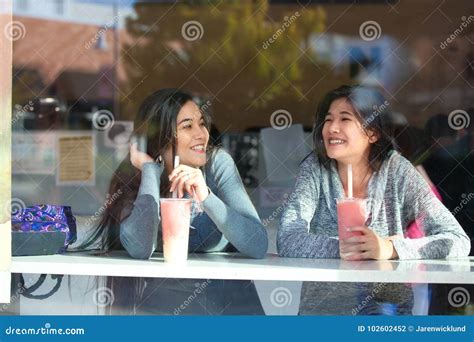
351 212
175 217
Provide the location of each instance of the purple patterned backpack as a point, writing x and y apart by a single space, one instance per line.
42 229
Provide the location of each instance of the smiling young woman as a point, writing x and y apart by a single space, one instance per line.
353 126
172 124
346 142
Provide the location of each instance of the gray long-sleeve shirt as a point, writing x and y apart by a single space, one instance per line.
398 195
229 215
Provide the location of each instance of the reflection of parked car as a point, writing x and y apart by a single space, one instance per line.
47 113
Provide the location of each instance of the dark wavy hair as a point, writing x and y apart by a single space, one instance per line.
373 112
156 125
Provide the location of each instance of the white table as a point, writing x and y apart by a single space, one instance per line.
235 266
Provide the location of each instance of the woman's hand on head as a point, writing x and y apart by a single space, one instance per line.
367 246
191 180
138 158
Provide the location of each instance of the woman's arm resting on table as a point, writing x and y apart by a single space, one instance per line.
233 212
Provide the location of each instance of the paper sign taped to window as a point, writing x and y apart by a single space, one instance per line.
76 160
33 153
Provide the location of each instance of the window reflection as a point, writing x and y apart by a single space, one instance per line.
78 60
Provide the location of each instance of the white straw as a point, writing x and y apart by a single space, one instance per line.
349 180
176 164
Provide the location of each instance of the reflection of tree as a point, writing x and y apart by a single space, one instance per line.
229 61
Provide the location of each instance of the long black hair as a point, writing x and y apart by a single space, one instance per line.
373 112
156 124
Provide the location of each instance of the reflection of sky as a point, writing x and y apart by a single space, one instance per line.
107 2
93 12
337 50
125 2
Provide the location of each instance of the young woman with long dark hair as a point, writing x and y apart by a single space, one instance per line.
171 124
352 126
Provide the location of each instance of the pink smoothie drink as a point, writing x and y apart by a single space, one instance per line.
175 217
351 212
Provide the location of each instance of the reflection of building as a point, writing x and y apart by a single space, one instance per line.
73 51
69 51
